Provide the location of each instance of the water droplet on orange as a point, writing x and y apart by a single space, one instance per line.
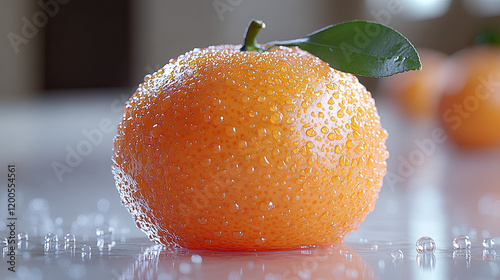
309 145
216 148
330 101
263 161
349 144
156 131
259 241
218 119
266 206
245 99
262 131
206 162
310 132
238 234
276 134
338 149
276 118
250 169
310 160
233 207
242 144
230 130
166 104
356 135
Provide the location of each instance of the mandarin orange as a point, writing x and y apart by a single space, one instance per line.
233 150
470 105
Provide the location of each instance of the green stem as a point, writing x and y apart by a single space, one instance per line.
253 29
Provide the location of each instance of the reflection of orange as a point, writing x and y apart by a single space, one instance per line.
319 263
417 92
230 150
470 107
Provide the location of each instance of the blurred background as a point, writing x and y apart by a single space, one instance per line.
53 45
68 66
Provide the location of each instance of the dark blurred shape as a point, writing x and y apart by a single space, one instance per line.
87 45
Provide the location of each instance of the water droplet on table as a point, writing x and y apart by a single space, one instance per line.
461 242
397 254
105 238
363 240
22 236
22 241
489 243
69 242
4 244
196 259
50 243
86 249
425 244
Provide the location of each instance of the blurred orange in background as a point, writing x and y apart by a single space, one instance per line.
416 93
469 109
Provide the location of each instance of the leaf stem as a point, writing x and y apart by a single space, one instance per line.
250 43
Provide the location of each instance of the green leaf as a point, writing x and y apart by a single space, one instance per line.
488 37
361 48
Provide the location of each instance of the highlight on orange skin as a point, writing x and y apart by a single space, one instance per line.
241 151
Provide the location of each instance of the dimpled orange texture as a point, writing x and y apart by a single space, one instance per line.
232 150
